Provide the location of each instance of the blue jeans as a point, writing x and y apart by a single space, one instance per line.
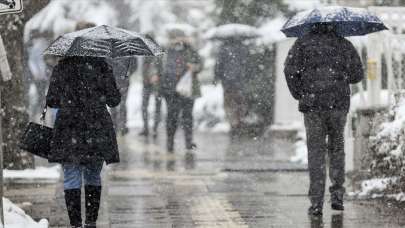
73 175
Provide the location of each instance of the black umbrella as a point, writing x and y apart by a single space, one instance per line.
103 41
346 21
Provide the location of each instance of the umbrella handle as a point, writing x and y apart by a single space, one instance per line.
43 115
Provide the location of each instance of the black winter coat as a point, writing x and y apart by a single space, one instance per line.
319 69
80 89
174 65
231 64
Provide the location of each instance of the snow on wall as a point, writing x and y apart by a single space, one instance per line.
39 172
298 5
270 31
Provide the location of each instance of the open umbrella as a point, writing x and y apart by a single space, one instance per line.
103 41
345 20
227 31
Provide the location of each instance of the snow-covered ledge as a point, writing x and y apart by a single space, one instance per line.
37 175
15 217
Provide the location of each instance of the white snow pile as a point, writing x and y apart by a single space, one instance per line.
209 114
295 5
52 173
301 151
389 138
231 30
188 29
374 188
270 31
361 99
15 217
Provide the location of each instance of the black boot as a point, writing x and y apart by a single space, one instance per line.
93 195
337 201
73 205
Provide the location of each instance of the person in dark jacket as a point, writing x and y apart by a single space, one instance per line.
180 57
231 69
151 71
319 69
84 136
122 68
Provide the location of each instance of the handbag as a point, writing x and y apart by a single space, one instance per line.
37 138
185 86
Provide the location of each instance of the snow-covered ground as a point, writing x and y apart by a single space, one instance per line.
209 114
15 217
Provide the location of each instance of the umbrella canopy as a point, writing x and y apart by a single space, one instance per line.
103 41
228 31
345 20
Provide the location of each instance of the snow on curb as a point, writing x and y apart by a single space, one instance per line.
374 188
15 217
51 173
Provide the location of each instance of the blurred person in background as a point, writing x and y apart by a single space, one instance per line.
180 57
151 73
231 70
39 70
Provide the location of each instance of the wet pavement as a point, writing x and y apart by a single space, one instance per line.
246 183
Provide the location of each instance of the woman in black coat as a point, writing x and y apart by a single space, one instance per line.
84 136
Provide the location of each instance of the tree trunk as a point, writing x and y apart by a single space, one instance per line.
14 113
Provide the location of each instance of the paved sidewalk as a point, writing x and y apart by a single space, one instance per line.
223 184
247 183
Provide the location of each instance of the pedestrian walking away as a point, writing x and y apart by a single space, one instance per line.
151 74
231 70
122 69
84 136
180 58
319 69
82 85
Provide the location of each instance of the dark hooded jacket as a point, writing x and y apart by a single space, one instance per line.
231 64
175 66
319 68
80 89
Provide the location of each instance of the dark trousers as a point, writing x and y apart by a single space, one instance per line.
177 104
325 136
147 91
119 113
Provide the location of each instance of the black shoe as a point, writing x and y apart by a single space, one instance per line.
73 206
191 146
124 131
337 201
144 133
90 226
338 206
315 211
93 195
155 135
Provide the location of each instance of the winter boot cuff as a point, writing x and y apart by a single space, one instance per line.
73 205
93 195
